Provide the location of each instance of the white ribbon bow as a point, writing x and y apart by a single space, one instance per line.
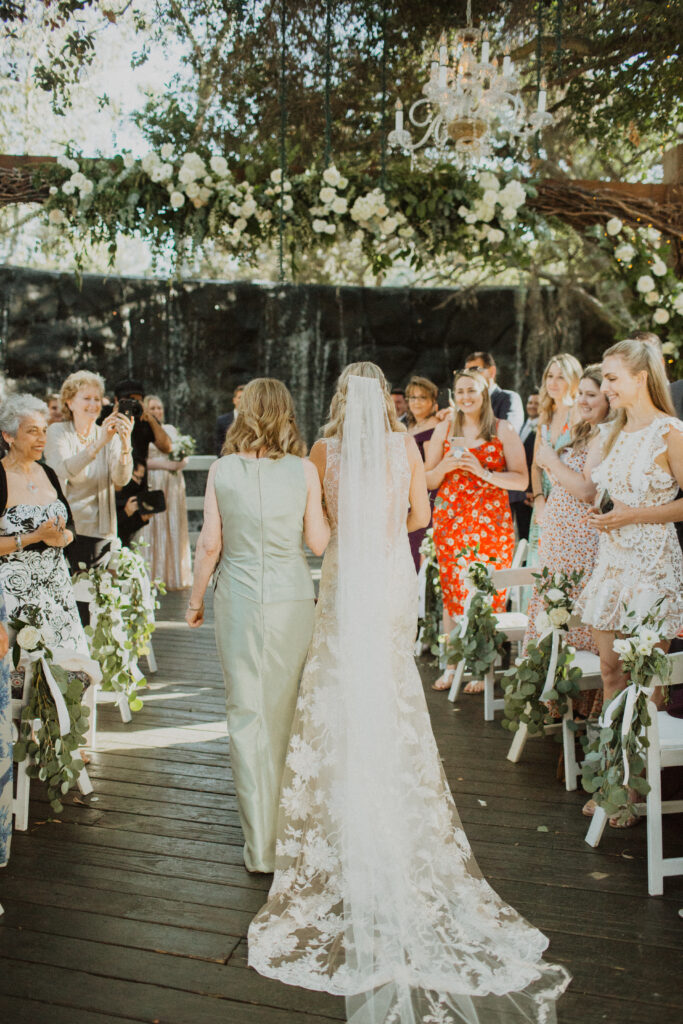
422 590
628 698
71 661
552 664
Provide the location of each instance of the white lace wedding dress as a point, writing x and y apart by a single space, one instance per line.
376 894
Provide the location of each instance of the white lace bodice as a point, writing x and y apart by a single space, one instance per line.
630 473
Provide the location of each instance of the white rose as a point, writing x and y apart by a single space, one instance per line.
235 209
343 182
340 205
330 229
276 176
490 197
186 174
389 225
542 622
555 594
659 268
287 203
382 210
463 211
319 226
166 151
248 207
128 160
613 226
331 176
78 179
678 303
149 161
177 200
512 195
653 236
488 180
56 217
157 174
509 212
652 298
483 210
87 187
327 195
219 166
406 232
558 616
28 638
286 186
661 316
68 188
669 348
471 218
622 647
496 235
240 224
192 190
624 252
645 284
165 171
53 190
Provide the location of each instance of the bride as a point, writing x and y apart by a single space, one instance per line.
376 894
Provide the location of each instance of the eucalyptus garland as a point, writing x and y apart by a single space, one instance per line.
53 755
481 644
525 682
615 760
429 624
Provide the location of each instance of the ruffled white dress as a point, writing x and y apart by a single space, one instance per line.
640 563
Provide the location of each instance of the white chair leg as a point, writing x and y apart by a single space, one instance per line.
124 708
152 661
457 681
20 802
83 782
571 768
489 681
90 701
597 827
518 743
655 846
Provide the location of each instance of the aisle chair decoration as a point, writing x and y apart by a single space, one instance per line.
54 715
430 602
475 644
122 605
546 672
615 760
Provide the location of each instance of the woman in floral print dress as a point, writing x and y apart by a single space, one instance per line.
474 460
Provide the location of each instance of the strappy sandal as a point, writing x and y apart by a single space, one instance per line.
589 809
445 681
475 686
633 819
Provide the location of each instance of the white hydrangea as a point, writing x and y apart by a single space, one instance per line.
488 180
327 195
177 200
128 160
484 211
624 252
495 235
509 212
645 284
490 197
166 151
659 268
240 224
512 195
652 298
661 316
389 225
331 176
614 226
276 176
340 205
319 226
219 166
149 161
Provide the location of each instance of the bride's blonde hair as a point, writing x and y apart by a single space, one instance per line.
266 423
335 423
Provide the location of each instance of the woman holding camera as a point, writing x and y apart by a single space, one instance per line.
91 460
168 534
474 459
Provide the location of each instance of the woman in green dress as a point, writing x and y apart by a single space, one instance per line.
263 500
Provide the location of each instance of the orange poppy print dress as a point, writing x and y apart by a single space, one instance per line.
470 511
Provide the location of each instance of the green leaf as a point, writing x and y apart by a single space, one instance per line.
19 752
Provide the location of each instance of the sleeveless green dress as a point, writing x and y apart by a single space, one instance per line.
264 608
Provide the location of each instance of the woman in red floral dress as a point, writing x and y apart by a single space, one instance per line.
474 459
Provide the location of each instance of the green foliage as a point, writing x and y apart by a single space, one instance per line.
481 644
429 626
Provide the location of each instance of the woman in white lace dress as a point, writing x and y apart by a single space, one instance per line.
637 463
376 895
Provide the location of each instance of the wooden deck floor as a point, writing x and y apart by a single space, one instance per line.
135 905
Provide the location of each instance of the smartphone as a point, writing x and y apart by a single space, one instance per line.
456 446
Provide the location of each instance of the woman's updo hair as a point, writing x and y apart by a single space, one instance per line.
73 384
426 385
638 356
266 424
15 408
335 423
570 368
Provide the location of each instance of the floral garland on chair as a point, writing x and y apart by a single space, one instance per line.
616 758
477 642
431 607
55 720
546 672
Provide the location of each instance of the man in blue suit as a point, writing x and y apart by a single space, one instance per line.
224 422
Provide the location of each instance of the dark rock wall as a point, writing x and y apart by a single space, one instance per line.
193 342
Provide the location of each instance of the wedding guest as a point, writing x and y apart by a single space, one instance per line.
224 422
398 397
167 534
263 499
531 421
35 525
90 460
128 396
637 463
474 459
556 417
506 405
422 400
131 518
569 542
54 409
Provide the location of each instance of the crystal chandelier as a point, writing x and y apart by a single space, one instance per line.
468 102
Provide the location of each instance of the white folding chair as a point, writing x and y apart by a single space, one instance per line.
511 624
591 679
665 750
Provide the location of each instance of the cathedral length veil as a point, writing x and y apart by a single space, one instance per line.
376 895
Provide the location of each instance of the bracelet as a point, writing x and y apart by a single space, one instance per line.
17 541
125 451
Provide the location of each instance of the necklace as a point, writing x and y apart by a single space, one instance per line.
26 477
85 438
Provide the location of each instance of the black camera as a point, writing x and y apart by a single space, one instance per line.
130 407
151 502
